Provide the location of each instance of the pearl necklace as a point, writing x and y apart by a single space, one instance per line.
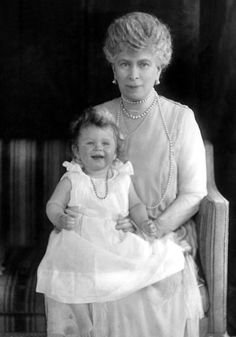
141 101
143 114
95 188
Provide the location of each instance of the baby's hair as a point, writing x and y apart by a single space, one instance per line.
99 117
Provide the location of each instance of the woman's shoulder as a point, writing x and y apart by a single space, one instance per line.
174 106
112 106
109 104
177 116
175 113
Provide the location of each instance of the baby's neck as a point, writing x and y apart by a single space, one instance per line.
100 174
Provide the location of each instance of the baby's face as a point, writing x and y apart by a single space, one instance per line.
96 149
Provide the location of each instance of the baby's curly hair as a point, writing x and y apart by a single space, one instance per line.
136 31
99 117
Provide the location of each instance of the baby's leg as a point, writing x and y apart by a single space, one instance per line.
67 319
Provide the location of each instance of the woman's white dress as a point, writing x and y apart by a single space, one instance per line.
167 152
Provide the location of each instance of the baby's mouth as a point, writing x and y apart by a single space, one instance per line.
97 156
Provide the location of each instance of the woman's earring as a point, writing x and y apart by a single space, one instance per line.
114 81
157 82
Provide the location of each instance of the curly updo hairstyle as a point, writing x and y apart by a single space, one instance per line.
135 31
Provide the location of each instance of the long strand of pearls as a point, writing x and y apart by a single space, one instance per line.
171 153
171 159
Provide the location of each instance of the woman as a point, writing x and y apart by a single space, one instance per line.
164 144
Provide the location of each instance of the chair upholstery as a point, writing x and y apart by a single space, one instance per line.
29 170
212 225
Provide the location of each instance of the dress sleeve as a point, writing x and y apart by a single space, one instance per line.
191 178
126 168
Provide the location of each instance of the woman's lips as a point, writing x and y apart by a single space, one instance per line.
133 86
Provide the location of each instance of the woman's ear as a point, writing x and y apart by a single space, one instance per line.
159 69
157 81
114 70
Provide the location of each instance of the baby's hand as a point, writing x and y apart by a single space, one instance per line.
125 224
67 222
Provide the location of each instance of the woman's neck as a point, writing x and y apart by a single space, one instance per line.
137 107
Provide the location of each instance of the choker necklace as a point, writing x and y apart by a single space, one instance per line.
141 101
143 114
95 188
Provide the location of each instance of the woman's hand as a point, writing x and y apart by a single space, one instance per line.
149 228
126 224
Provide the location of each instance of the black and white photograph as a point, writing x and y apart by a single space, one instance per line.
117 168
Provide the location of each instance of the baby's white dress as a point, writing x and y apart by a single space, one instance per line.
95 262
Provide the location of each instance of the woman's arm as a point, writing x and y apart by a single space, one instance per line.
55 208
191 165
139 215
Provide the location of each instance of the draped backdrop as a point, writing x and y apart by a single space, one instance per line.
52 66
53 63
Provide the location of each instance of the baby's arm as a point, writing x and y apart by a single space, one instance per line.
138 214
57 204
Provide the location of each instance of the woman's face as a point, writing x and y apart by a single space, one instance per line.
136 73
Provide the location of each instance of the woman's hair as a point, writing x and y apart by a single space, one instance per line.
136 31
99 117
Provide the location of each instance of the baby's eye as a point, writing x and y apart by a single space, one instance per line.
90 143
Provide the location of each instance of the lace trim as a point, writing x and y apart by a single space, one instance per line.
118 165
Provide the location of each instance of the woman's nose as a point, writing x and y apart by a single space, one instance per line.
134 73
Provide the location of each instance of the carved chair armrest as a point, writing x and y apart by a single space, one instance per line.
212 225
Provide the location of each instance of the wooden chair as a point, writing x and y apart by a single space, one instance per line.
30 170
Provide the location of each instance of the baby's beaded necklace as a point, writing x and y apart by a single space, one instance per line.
95 188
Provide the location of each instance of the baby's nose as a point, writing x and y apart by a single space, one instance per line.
98 146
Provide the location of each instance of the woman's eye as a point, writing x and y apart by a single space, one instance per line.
89 143
124 64
106 143
144 64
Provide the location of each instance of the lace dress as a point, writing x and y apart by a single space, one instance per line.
95 262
